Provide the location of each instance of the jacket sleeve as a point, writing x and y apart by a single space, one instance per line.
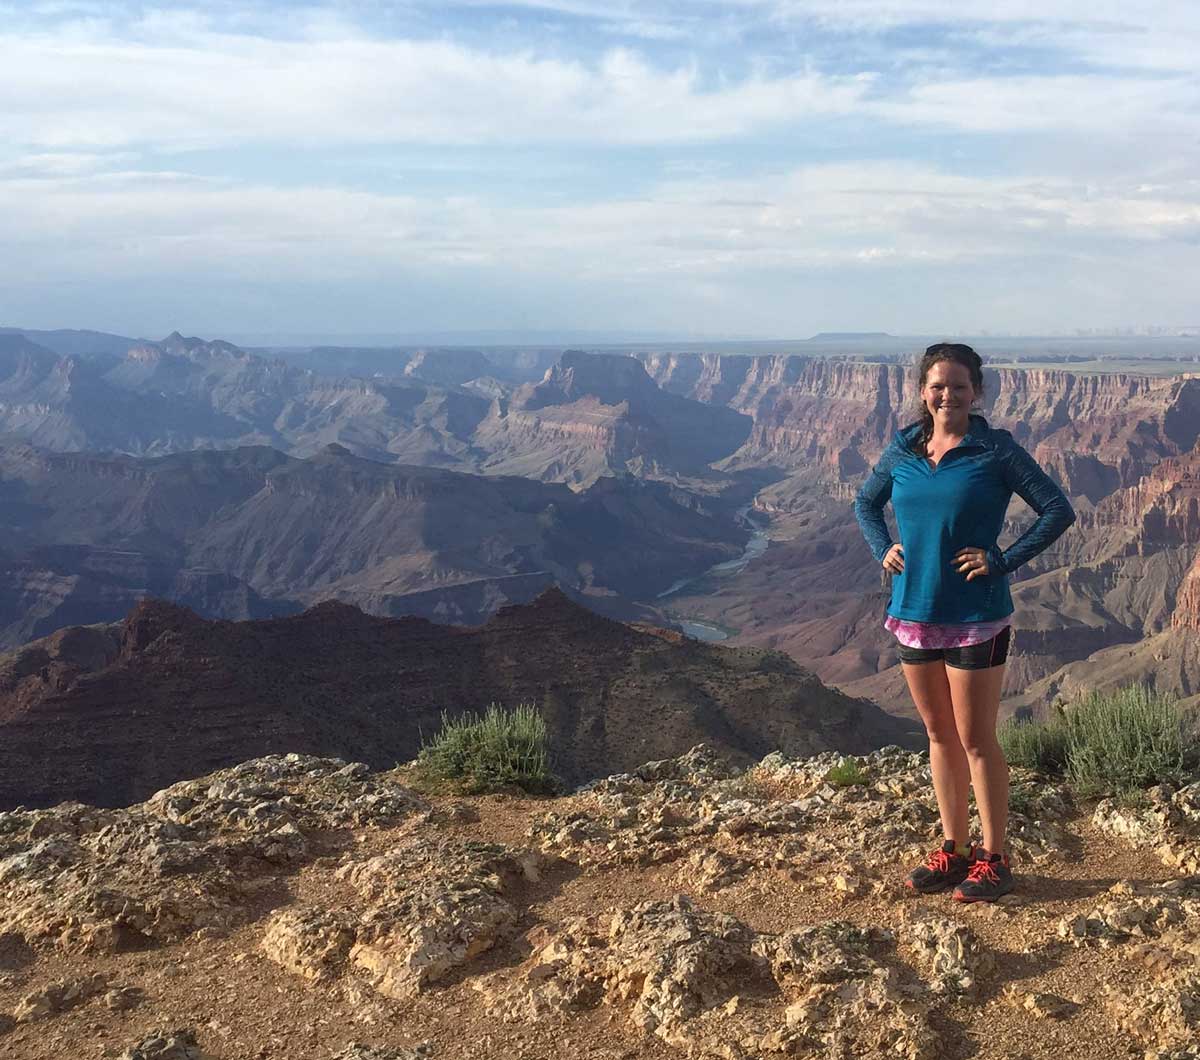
868 505
1024 476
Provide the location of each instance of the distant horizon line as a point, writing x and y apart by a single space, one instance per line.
552 338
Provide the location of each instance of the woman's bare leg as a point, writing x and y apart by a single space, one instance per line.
976 698
930 690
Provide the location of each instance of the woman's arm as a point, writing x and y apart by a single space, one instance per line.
1024 476
868 505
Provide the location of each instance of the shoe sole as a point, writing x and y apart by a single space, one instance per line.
969 898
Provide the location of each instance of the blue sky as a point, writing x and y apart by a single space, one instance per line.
764 168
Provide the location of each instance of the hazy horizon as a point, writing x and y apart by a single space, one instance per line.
866 344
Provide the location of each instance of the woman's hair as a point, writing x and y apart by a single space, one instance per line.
944 351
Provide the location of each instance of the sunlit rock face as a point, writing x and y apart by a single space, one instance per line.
1187 605
600 414
1095 433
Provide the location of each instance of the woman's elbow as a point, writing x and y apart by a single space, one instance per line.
1064 516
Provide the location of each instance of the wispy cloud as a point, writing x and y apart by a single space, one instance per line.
227 90
809 216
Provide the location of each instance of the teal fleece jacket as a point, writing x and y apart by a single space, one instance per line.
961 503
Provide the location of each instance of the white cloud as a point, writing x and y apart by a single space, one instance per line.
1095 167
1068 103
223 90
169 81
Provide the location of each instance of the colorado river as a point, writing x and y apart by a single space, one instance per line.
755 547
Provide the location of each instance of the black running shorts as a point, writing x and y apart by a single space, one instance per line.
973 657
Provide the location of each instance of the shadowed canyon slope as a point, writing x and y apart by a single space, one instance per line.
166 695
251 532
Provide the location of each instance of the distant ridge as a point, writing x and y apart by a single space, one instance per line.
68 342
133 706
849 336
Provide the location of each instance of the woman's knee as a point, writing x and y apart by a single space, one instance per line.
981 746
944 734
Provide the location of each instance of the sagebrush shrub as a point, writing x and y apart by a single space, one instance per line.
1040 745
1122 740
497 749
1106 742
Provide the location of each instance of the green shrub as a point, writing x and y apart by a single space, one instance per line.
846 773
1040 745
1106 742
1123 740
501 748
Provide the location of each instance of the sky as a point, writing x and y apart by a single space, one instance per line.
748 168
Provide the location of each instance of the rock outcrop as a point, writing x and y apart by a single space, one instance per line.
1186 615
1161 510
307 906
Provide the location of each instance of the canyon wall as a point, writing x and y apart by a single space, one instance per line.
336 681
1163 508
1186 615
600 414
1094 433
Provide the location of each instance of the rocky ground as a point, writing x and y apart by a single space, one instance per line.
295 907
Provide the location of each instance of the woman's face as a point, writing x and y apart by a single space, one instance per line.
948 393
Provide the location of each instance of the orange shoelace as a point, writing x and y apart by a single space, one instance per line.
939 861
982 870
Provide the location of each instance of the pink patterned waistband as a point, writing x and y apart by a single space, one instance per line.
944 634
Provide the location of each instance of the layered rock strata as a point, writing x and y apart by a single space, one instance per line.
594 414
1096 433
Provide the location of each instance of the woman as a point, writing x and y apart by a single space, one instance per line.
950 478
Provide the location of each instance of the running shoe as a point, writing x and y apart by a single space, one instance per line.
988 879
943 868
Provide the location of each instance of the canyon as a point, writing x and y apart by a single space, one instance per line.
831 419
593 413
794 435
589 417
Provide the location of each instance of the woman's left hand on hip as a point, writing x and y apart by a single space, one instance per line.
972 562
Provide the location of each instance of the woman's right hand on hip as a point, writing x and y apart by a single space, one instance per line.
893 559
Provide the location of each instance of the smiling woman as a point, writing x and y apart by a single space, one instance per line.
950 478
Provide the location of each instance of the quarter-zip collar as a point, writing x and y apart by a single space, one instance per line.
978 434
